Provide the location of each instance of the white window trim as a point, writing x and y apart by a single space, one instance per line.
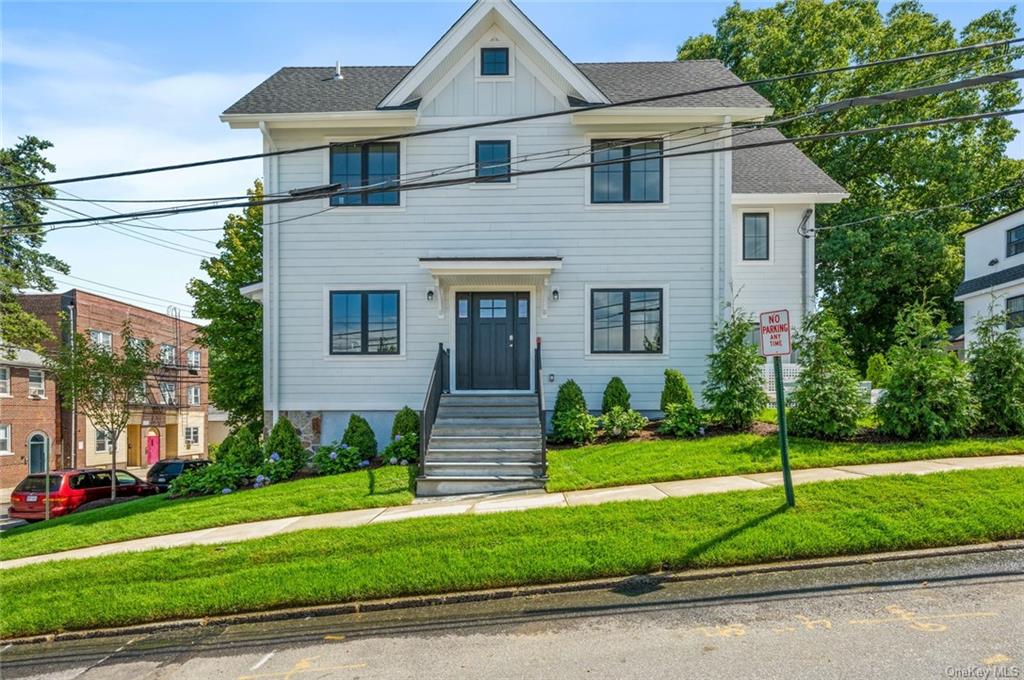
7 451
173 357
666 165
497 40
403 149
108 346
738 237
163 395
195 389
199 358
666 349
7 391
363 359
40 390
96 441
513 151
185 433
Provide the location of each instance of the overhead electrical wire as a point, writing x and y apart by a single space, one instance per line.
529 117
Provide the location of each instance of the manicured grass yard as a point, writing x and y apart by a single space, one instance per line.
637 462
444 554
156 515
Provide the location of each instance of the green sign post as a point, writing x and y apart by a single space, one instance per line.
776 343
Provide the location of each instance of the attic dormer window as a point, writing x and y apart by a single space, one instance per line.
494 61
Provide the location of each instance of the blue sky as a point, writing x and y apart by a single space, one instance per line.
132 84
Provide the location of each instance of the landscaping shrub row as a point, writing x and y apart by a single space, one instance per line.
929 393
242 461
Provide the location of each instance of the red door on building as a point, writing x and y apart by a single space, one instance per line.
152 449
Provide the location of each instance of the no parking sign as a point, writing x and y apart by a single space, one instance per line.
776 340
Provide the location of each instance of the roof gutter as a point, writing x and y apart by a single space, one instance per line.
369 119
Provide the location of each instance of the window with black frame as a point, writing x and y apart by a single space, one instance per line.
364 322
626 321
374 166
1015 312
636 179
755 236
1015 241
494 61
494 160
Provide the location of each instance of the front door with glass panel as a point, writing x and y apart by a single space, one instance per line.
492 343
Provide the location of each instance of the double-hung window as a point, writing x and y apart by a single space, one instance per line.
755 236
191 435
494 61
167 353
193 395
494 160
168 394
626 172
36 383
364 322
1015 311
102 441
626 321
5 381
5 439
373 166
1015 241
193 359
102 339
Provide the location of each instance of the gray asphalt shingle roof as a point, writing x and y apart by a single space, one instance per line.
779 169
776 169
313 90
989 280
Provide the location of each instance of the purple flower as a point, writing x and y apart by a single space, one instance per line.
260 479
393 461
345 446
275 456
334 455
398 437
702 432
364 463
258 485
225 490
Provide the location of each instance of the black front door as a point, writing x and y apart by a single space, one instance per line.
492 344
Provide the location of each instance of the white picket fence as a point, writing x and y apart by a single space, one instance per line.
790 372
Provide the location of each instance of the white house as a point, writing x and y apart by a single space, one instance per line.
619 269
993 273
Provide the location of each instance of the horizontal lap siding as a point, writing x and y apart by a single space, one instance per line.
632 245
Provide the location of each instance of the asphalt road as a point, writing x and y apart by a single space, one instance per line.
948 617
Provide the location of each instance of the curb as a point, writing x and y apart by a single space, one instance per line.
415 601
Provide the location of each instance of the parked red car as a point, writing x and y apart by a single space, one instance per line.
70 489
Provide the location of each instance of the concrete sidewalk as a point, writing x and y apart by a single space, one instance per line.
521 501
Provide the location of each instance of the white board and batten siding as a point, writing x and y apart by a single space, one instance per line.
671 246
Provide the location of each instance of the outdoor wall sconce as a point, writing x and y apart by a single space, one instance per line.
430 295
554 295
993 262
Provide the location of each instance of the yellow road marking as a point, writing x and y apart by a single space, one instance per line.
997 658
334 637
921 622
303 666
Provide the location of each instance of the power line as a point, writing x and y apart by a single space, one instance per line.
529 117
123 290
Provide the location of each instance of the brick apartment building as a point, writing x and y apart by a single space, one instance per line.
171 420
29 413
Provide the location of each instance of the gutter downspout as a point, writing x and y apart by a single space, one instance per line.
807 230
271 243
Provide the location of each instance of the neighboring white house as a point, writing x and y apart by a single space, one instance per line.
993 273
621 270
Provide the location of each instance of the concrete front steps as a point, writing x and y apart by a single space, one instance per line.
482 444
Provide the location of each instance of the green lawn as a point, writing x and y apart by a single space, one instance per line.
444 554
666 459
157 515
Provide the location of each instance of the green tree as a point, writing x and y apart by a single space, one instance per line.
869 271
106 385
234 334
23 264
996 361
827 399
733 389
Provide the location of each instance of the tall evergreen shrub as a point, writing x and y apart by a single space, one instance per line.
615 394
996 362
734 390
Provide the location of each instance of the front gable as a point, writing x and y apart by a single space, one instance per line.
447 81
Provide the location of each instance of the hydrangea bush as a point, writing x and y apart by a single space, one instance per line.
622 423
403 449
334 459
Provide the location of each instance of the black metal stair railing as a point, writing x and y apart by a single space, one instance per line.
538 387
437 386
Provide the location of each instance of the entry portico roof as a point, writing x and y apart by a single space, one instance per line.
491 265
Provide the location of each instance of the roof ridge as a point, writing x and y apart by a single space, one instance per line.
331 66
648 61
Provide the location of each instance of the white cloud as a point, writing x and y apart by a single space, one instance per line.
104 113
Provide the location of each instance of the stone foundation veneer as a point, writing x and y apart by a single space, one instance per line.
308 423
